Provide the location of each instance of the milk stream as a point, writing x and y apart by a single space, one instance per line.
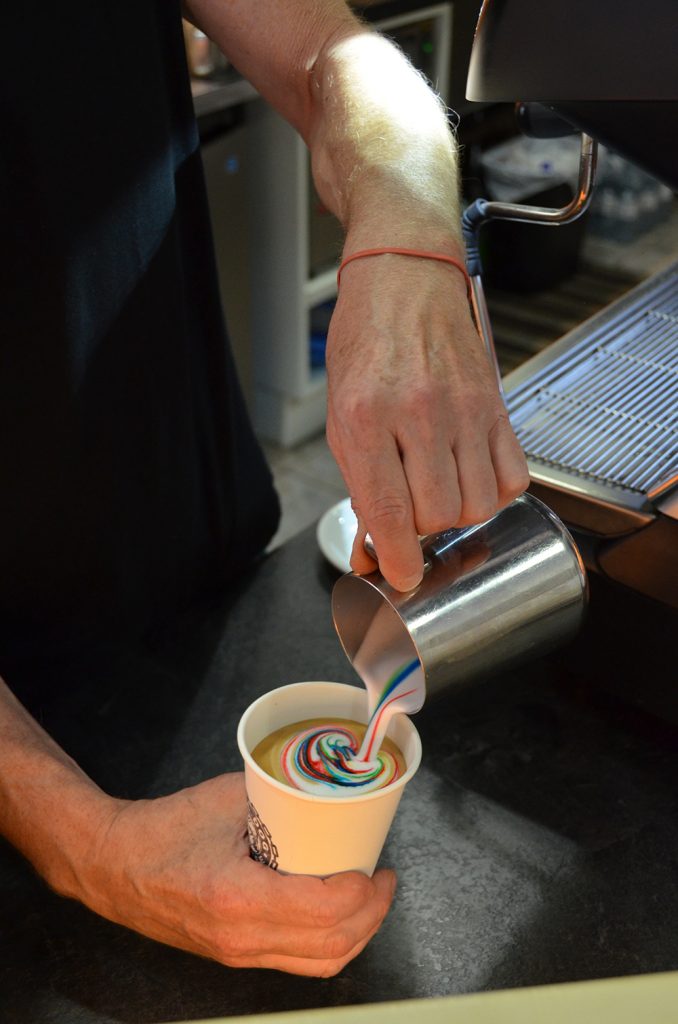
388 664
401 692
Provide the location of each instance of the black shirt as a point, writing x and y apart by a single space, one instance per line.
130 480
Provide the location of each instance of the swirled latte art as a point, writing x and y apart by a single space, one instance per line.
320 757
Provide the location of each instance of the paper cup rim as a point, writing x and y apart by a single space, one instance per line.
375 794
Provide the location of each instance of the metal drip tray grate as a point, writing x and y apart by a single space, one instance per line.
603 403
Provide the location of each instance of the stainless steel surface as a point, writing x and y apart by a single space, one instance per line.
589 512
483 323
484 210
493 595
600 406
545 215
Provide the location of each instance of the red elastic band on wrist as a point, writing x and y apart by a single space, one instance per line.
396 250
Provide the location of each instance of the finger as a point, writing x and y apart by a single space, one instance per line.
318 902
300 937
431 473
510 464
308 967
477 480
383 497
361 562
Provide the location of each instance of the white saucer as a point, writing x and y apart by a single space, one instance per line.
336 532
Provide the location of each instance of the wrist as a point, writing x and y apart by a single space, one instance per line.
400 267
443 237
417 254
49 808
69 851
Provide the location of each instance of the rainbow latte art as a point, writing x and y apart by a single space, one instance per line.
321 758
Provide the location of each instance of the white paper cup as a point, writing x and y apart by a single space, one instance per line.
301 833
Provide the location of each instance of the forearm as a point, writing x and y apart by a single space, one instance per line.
415 419
384 158
49 808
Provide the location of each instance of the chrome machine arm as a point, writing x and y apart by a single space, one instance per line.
482 210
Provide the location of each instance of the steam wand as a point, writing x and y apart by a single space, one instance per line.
482 210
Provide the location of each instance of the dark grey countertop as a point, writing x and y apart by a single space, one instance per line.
538 842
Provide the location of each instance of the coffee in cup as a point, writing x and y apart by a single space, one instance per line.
305 833
321 757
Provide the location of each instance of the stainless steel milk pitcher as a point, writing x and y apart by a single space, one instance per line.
492 595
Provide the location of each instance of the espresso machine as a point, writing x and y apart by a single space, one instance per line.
597 412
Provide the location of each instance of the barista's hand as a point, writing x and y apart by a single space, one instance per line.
178 869
415 419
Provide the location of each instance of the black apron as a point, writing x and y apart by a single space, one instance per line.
131 484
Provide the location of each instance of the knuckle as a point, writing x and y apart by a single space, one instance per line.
500 429
321 909
389 508
421 410
479 510
209 898
442 521
439 515
419 400
326 917
477 402
337 944
231 947
517 483
500 422
359 412
522 480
